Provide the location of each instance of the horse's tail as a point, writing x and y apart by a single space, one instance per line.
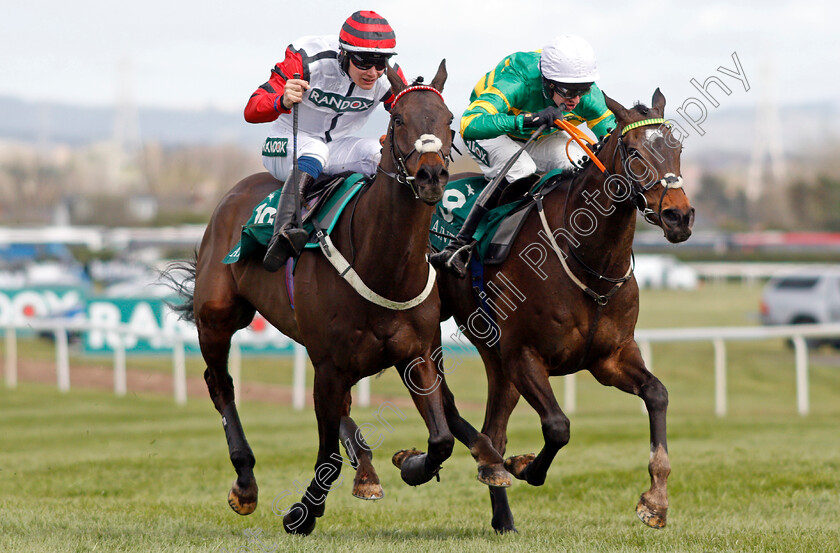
180 277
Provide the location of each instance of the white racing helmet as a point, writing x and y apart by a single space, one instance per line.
569 59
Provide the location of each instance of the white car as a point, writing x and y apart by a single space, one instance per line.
805 297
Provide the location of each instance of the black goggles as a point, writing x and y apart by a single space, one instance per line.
363 62
566 91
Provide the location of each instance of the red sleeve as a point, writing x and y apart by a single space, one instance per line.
389 97
266 103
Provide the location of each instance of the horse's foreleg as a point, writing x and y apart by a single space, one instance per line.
626 371
423 381
366 483
491 470
530 376
653 505
215 345
330 389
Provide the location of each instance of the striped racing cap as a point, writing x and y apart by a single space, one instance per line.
367 31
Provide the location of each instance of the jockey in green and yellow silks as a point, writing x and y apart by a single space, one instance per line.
525 90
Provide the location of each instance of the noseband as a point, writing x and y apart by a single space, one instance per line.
638 190
427 143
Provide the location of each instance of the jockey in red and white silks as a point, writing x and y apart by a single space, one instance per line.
332 109
336 83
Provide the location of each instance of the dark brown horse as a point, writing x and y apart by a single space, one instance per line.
347 336
551 325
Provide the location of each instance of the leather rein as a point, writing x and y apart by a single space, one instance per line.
637 195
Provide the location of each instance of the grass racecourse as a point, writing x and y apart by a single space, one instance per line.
87 471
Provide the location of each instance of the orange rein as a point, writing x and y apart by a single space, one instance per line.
581 139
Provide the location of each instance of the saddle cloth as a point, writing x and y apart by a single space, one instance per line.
324 208
497 229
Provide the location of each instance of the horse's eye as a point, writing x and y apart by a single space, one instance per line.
398 120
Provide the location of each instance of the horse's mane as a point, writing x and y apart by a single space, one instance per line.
640 108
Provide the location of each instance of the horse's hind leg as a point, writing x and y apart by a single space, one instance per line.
216 325
366 483
626 371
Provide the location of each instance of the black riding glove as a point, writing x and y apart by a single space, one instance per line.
547 115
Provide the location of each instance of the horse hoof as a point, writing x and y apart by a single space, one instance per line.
298 520
412 465
652 515
400 456
243 502
366 489
494 476
517 464
506 529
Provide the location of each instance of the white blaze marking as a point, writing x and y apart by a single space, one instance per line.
428 143
651 134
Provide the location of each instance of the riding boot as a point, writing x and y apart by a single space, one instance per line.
456 255
289 238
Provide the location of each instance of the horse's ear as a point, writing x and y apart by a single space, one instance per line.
440 77
397 84
618 110
658 101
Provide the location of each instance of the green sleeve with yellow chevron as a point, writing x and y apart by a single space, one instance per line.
515 87
500 96
477 124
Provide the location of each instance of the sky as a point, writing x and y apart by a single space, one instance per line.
209 54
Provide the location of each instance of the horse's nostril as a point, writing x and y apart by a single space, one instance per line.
423 175
431 174
671 217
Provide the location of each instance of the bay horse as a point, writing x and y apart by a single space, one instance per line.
577 303
347 336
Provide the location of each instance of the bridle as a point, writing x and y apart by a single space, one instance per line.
425 144
637 189
637 195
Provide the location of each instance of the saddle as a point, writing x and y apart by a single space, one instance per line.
322 202
499 227
317 194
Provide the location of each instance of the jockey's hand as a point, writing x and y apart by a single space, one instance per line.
547 115
293 93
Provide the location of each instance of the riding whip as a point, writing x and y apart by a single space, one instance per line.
295 179
498 178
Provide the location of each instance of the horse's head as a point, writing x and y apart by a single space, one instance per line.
649 158
419 137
